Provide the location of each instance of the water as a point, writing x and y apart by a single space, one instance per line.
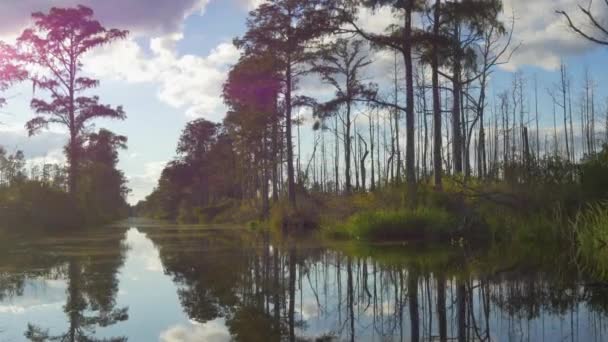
146 282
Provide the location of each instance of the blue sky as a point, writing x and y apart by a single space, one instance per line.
171 69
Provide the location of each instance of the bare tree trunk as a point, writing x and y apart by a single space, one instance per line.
569 156
337 156
365 154
275 161
536 118
437 143
371 146
409 115
356 158
347 149
457 91
291 186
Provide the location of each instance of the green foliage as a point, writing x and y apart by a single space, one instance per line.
203 176
32 204
591 233
388 225
41 200
594 179
307 215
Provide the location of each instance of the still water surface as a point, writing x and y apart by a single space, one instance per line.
147 282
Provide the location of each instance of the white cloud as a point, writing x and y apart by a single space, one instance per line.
544 34
376 21
143 252
251 4
212 331
187 82
47 145
141 184
55 156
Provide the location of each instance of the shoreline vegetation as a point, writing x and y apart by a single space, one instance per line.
425 155
562 210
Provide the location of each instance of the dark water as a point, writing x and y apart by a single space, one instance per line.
155 283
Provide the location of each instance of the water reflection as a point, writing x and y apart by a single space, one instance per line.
188 284
84 266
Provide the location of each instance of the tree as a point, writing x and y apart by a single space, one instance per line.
56 45
102 187
593 21
286 27
195 143
251 92
402 38
340 64
438 143
10 71
196 139
464 24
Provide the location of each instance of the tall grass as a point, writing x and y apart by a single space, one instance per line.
591 229
424 223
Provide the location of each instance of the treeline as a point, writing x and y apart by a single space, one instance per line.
90 189
37 196
434 118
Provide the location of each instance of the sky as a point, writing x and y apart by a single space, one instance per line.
171 68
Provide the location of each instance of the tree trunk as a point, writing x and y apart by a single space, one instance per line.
437 144
347 149
362 163
457 89
409 115
291 187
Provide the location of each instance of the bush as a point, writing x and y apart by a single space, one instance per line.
594 169
424 223
35 205
306 215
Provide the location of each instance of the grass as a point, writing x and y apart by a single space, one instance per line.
591 230
424 223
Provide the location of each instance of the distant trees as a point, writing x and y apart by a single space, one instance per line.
55 45
402 38
341 65
203 173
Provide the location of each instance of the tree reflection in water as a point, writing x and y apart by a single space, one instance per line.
88 262
297 291
261 288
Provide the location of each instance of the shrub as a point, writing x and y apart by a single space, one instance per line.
594 169
35 205
306 215
384 225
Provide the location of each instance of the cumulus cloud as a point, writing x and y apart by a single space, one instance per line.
188 82
251 4
212 331
544 34
48 144
139 16
142 183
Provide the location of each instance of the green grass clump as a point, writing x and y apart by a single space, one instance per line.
425 223
591 229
